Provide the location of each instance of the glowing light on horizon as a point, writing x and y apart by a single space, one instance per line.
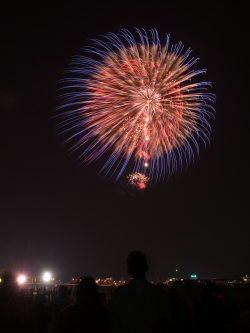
46 276
21 279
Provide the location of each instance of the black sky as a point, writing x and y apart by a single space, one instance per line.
60 216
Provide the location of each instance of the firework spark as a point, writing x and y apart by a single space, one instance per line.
137 101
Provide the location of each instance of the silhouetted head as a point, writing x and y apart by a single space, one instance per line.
210 292
8 284
137 264
63 291
40 299
87 288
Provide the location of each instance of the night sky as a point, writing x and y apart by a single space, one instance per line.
61 216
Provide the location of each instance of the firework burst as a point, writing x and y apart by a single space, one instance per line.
137 101
138 180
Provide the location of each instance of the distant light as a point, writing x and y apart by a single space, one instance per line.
46 276
21 279
193 276
146 164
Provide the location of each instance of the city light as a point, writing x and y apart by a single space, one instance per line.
46 276
21 279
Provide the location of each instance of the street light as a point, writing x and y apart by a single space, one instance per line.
21 279
46 276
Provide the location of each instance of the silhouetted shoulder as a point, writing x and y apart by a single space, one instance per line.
139 306
140 285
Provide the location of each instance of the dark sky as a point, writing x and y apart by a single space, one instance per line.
60 216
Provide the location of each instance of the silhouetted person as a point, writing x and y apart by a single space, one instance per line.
104 299
88 314
139 306
41 312
214 311
13 318
53 293
179 310
58 304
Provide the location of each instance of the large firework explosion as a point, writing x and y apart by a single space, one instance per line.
135 100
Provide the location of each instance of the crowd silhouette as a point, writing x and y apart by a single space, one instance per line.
136 307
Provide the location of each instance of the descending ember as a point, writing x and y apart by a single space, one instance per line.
138 102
